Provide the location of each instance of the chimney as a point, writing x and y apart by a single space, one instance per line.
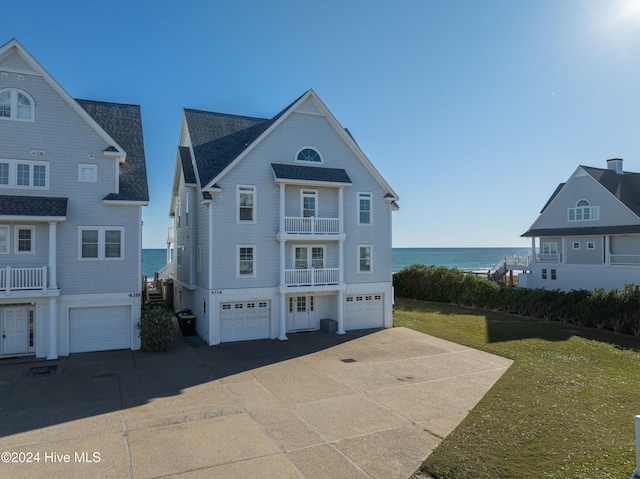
615 164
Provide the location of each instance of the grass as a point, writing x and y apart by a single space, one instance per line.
564 409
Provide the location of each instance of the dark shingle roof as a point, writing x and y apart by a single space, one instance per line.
32 206
310 173
124 124
187 165
587 231
217 139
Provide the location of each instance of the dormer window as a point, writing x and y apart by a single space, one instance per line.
309 155
584 212
16 105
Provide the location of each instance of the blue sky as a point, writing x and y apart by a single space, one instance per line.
473 111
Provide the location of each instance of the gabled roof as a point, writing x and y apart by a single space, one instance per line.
219 140
625 187
33 206
124 123
35 68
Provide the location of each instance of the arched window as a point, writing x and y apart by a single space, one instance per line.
584 212
309 154
16 105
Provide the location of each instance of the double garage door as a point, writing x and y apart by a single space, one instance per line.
242 321
99 329
363 311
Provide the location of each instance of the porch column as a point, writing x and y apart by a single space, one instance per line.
533 250
282 197
606 246
282 263
53 328
340 311
341 210
283 318
341 262
53 281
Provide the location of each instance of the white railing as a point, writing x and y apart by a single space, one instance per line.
517 260
548 258
311 277
167 271
20 279
625 259
311 225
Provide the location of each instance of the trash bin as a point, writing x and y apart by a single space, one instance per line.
187 323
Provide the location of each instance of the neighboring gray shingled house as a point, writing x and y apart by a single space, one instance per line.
278 224
588 233
72 185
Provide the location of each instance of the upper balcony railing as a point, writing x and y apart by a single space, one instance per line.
311 277
22 279
548 258
312 225
633 259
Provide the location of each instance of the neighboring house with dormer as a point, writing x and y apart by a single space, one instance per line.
588 234
278 224
72 185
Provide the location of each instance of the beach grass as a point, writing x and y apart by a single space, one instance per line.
564 409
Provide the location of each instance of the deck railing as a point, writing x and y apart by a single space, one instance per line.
311 225
548 258
21 279
312 277
633 259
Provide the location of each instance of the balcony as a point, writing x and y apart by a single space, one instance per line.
548 258
312 226
633 259
23 279
312 277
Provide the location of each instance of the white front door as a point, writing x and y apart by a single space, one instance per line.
301 313
15 331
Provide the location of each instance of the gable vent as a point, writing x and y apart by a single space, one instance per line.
4 75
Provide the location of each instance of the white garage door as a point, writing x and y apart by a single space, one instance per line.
99 329
241 321
363 311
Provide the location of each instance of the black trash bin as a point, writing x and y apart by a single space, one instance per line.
187 323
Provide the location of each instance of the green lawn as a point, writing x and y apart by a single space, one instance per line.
564 409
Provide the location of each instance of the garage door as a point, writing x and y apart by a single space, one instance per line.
99 329
241 321
363 311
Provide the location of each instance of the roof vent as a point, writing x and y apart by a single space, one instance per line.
615 164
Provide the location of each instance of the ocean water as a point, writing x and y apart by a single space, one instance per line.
466 259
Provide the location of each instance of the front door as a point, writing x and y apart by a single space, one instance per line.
15 331
301 313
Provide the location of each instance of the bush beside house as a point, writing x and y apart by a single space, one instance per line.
156 328
615 310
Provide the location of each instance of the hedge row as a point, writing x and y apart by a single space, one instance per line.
615 310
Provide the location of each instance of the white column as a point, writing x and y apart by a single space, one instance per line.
53 328
282 197
533 250
607 249
283 318
282 263
636 474
53 281
341 210
341 262
340 312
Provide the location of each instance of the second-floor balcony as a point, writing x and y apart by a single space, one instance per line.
312 225
548 258
312 277
22 279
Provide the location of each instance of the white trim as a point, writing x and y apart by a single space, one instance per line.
13 174
13 105
7 238
92 168
308 162
308 192
364 195
360 271
32 219
253 260
252 190
125 202
16 233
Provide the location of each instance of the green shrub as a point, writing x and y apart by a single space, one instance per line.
156 328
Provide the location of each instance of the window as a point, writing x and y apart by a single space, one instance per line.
246 204
186 209
309 203
16 105
309 154
179 207
88 173
307 257
576 245
364 259
553 274
364 208
544 273
100 242
246 263
584 212
591 245
24 174
4 239
24 240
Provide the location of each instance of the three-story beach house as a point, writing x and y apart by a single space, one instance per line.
588 234
279 224
72 186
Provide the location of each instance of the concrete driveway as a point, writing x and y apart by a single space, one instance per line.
366 404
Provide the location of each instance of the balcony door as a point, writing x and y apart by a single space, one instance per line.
308 257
